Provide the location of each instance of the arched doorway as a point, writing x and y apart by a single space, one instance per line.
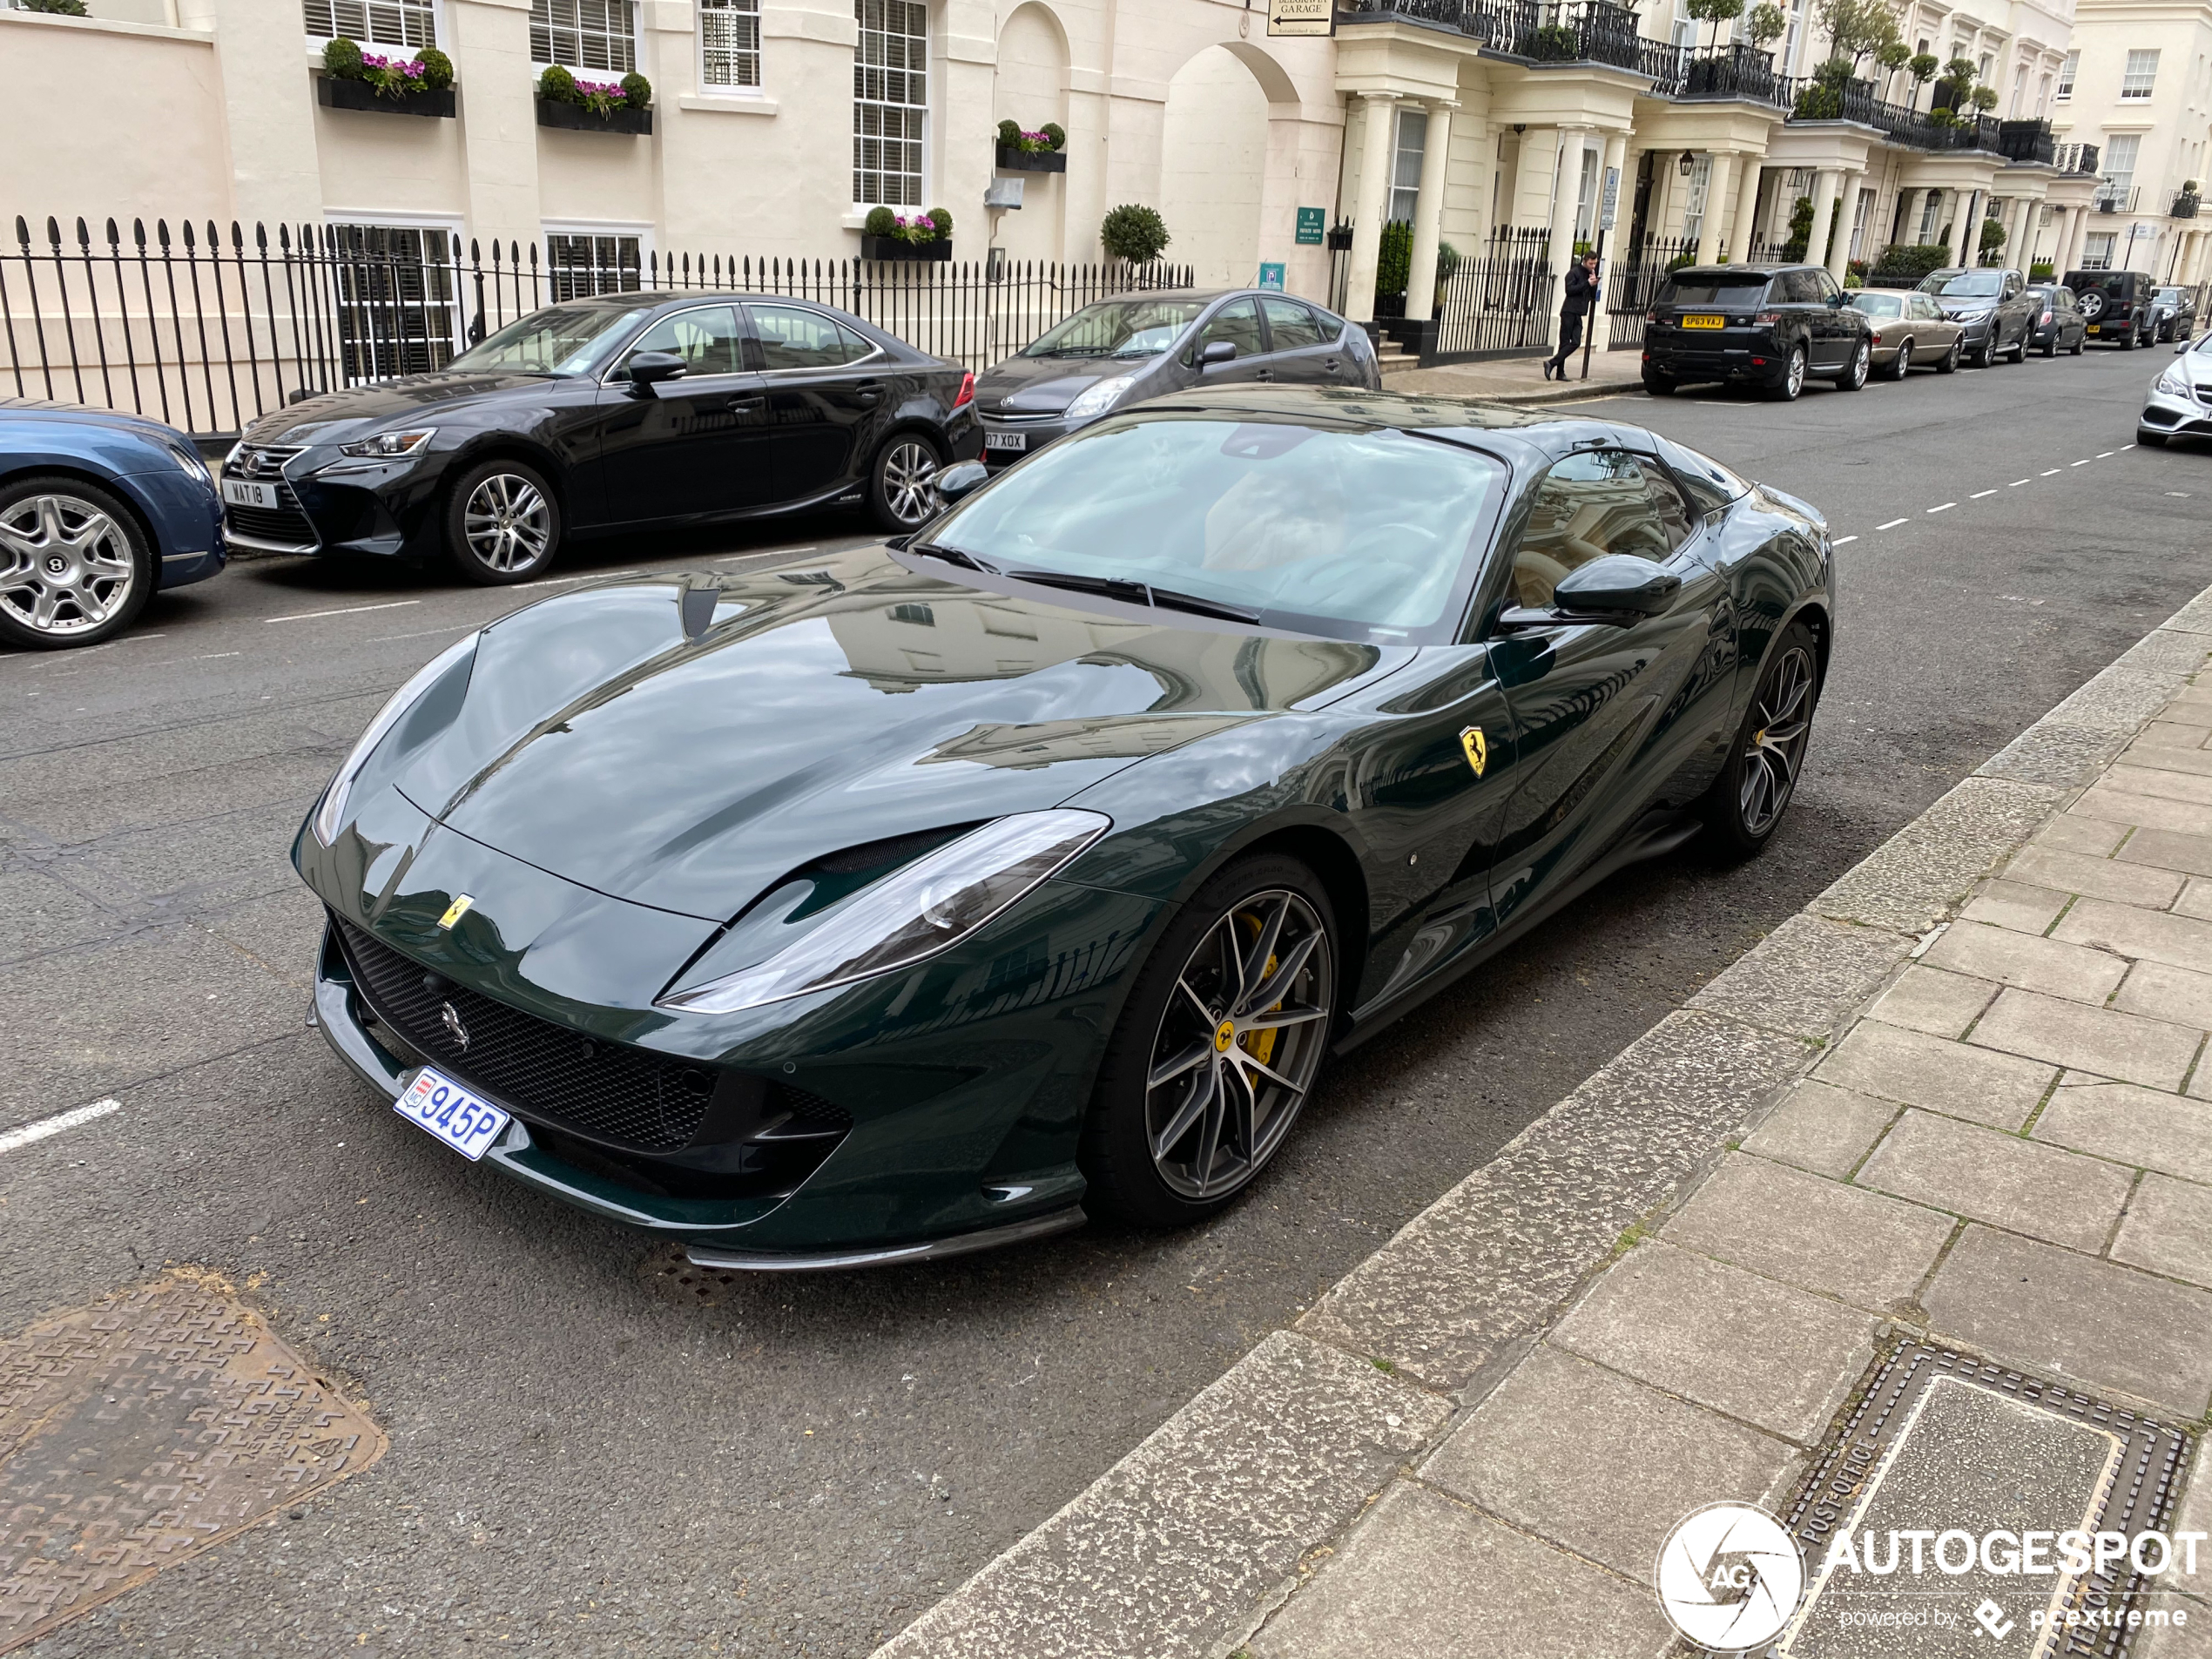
1213 167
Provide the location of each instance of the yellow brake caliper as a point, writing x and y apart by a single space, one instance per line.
1261 1044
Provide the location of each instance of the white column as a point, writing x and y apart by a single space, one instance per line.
1567 178
1378 143
2019 236
1722 171
1965 222
1745 222
1846 209
1428 213
1823 214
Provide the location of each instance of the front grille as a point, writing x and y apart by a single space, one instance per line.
611 1093
285 524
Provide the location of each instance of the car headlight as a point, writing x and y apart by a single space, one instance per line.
332 813
1099 399
389 446
2172 383
188 458
911 913
1983 315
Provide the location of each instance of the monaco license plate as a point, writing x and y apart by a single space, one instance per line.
1704 322
450 1112
1006 440
239 493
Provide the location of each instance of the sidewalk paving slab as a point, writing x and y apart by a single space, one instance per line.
1916 1069
1982 1174
2130 1124
1822 1127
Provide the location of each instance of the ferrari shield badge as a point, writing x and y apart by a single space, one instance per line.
1478 751
459 908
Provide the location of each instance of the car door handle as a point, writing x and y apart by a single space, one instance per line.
746 403
1264 375
868 394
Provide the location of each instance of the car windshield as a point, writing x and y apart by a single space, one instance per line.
1349 534
1878 305
1118 328
1728 293
560 340
1965 284
2166 295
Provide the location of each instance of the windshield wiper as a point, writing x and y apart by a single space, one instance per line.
950 555
1076 351
1136 593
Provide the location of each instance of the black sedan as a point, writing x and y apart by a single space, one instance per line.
624 412
934 893
1121 351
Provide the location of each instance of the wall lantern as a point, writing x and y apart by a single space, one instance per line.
1687 162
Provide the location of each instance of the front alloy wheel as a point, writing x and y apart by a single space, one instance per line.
73 569
1948 364
1217 1047
903 492
502 522
1747 800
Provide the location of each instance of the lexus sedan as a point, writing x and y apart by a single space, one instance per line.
1124 350
624 412
97 510
932 894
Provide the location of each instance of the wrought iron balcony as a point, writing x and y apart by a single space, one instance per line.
2027 141
2075 158
2184 205
2116 198
1535 32
1855 101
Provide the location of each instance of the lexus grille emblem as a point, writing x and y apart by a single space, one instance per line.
452 1020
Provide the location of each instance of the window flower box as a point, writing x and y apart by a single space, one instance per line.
574 117
897 247
335 93
1013 160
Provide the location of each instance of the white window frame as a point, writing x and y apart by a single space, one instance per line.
756 87
1400 152
448 225
932 79
1696 192
642 229
582 71
439 30
2067 71
2142 90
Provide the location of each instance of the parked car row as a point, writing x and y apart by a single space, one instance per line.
599 415
1776 326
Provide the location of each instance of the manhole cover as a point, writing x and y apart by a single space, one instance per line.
1955 1482
138 1431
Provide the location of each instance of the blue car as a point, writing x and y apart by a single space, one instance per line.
97 511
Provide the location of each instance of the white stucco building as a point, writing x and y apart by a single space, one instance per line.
2137 83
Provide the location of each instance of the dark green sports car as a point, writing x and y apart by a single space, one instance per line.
923 897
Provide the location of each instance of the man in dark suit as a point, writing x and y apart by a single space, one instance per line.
1581 300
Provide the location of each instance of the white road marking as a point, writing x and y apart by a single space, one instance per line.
2084 461
2054 470
2127 446
1840 540
457 628
213 655
60 1124
343 611
1979 494
1892 525
1946 508
2107 454
2017 482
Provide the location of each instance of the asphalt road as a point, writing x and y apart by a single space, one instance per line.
592 1454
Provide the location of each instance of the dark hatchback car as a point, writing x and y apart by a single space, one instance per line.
2119 306
1996 316
1121 351
1773 327
882 903
2058 324
624 412
2175 311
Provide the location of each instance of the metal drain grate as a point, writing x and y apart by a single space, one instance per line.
1950 1440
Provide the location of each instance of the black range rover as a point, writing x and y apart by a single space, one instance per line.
1770 325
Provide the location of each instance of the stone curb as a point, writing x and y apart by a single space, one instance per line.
1187 1544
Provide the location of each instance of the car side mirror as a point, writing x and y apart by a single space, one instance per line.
955 482
649 368
1837 301
1216 351
1618 588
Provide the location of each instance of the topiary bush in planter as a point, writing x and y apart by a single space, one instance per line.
887 235
1134 232
594 106
354 79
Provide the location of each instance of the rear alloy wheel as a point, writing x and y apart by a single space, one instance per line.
1985 353
2020 347
2080 340
1658 386
2092 305
503 523
75 568
1948 364
899 490
1747 800
1903 365
1216 1048
1854 374
2051 346
1793 378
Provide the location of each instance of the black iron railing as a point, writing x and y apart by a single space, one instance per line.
2027 141
1536 31
1633 283
1499 302
207 329
2185 205
2075 158
2116 198
1819 100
